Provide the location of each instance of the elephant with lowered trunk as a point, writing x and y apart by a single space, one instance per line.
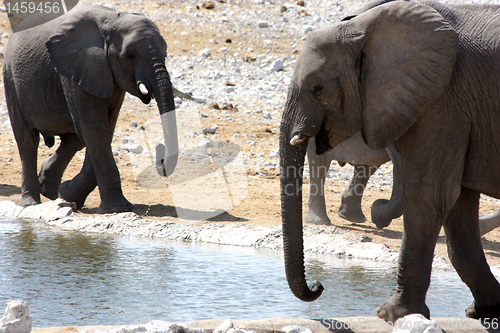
421 80
68 77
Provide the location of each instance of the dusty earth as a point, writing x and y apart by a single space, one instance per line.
262 204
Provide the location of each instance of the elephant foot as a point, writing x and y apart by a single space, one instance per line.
67 192
351 214
394 309
314 218
378 217
50 190
483 312
28 200
115 205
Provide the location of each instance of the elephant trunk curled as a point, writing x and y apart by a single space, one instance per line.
163 93
292 164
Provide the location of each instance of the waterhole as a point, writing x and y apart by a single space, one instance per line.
71 278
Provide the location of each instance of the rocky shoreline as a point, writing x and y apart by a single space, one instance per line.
318 240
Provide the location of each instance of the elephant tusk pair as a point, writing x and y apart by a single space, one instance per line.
298 139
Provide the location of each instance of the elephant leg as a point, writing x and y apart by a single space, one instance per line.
384 211
53 167
467 256
350 206
78 189
489 222
94 120
27 144
318 167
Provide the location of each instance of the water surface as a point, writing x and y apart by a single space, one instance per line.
71 278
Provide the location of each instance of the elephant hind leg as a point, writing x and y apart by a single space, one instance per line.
467 256
53 167
350 206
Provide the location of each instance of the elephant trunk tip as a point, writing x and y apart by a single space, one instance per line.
312 291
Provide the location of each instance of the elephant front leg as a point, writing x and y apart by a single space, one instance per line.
467 256
423 218
350 206
94 120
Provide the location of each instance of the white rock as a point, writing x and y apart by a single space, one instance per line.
132 148
295 329
205 53
133 123
16 318
416 323
222 328
206 143
267 116
229 89
278 65
308 30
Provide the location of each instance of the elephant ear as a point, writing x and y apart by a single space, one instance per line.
407 54
77 51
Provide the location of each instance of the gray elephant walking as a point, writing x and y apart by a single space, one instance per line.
420 79
68 77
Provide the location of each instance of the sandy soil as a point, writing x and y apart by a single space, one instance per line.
262 204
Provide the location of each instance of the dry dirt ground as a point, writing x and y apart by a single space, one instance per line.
262 204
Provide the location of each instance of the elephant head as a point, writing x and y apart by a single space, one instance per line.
376 72
103 50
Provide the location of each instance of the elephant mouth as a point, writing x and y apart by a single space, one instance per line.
145 94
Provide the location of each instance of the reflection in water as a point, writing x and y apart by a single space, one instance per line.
70 278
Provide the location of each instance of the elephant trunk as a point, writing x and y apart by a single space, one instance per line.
292 164
166 155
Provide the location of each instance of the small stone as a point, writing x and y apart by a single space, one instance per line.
208 5
228 83
283 8
214 106
203 115
205 53
205 143
132 148
229 89
210 130
301 3
263 24
308 30
133 123
278 65
267 116
228 40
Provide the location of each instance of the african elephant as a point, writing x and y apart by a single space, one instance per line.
68 77
419 79
366 162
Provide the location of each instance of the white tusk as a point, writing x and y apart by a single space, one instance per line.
297 139
143 89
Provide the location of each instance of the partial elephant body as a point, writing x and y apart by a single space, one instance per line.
366 161
68 77
422 80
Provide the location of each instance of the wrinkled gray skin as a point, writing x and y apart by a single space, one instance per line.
420 79
366 161
68 77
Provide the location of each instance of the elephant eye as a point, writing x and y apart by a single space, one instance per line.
130 56
317 89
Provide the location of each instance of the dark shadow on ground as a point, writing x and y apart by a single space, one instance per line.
7 190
